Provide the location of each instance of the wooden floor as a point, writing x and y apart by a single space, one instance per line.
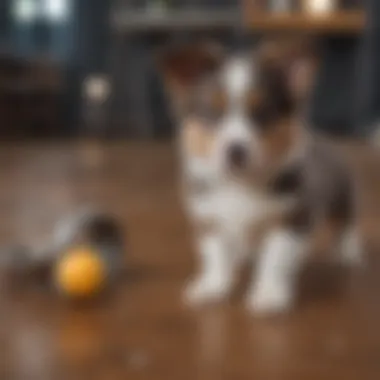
143 331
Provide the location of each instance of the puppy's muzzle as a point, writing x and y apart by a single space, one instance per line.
237 156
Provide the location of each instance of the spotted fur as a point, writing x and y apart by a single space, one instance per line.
250 166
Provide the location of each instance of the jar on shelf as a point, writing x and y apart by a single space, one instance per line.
319 6
281 5
158 6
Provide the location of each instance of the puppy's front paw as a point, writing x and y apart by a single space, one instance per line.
273 300
204 290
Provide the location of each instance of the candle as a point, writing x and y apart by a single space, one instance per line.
320 6
280 5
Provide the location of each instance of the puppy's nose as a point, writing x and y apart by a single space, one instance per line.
237 155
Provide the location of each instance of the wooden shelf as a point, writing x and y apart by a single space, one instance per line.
337 22
173 20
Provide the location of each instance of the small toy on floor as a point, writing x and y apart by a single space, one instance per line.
80 272
86 257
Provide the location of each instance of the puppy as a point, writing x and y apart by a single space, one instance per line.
254 177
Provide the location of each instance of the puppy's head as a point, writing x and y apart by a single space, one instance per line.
238 111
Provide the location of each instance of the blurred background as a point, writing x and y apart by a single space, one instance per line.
74 73
70 68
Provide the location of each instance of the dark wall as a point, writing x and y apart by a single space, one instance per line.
343 102
79 45
90 42
347 96
139 93
369 87
4 20
335 107
91 33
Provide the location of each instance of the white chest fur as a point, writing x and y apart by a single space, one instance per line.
230 205
233 207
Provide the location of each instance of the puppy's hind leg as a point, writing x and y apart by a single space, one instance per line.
340 241
347 239
351 247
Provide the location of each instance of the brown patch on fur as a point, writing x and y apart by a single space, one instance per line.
197 139
254 100
218 101
187 62
297 57
279 141
327 234
179 95
208 103
183 66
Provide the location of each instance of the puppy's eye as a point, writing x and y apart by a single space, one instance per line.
261 111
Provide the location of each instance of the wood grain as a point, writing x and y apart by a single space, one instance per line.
142 330
342 22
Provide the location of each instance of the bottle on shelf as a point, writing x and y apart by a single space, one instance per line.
319 6
277 6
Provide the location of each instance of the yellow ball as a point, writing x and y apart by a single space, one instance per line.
80 273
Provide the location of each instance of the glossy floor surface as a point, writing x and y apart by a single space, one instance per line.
142 330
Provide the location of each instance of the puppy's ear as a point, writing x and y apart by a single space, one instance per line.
184 65
297 58
187 63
